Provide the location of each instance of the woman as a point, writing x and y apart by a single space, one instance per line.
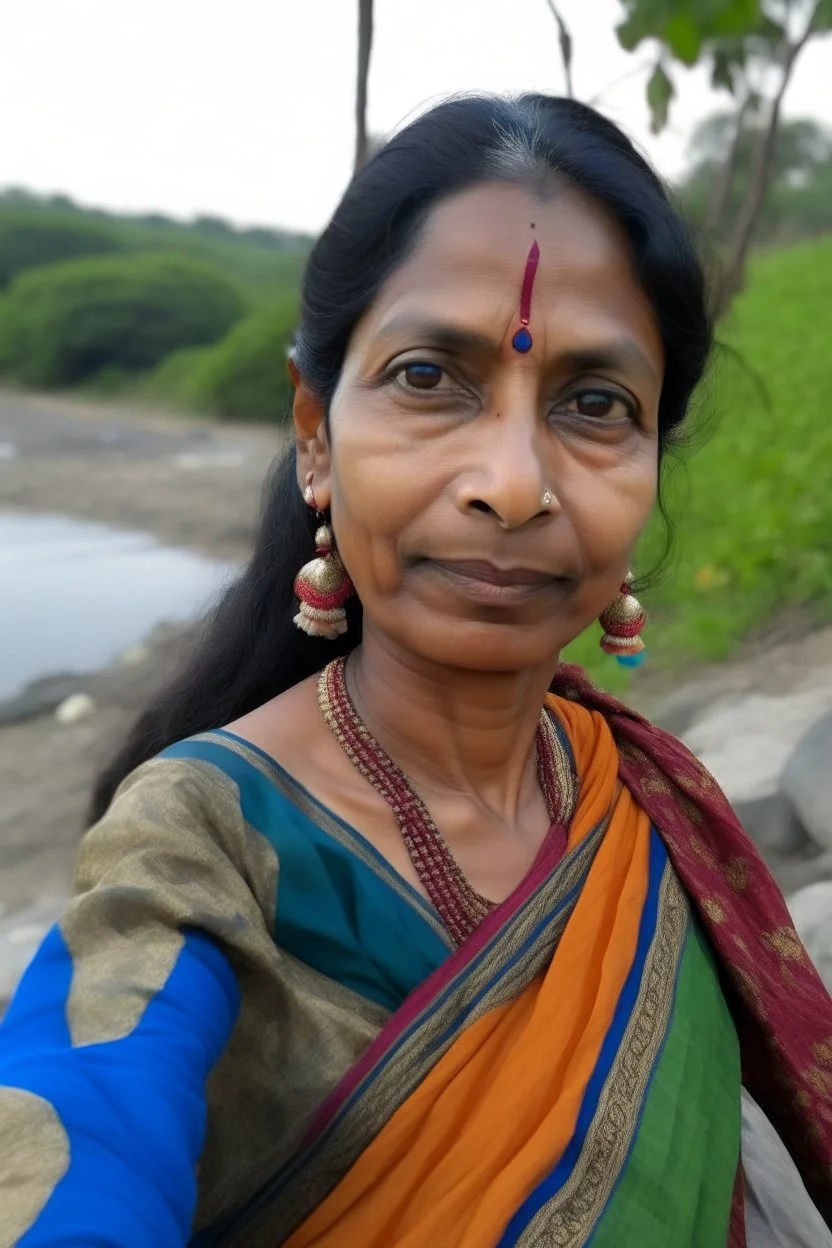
395 932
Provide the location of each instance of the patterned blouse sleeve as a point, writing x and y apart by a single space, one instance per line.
120 1018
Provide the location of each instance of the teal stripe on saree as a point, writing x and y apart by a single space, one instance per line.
341 909
677 1185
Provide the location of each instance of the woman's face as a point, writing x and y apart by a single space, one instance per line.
444 439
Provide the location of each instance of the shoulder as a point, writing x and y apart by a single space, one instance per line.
185 783
175 819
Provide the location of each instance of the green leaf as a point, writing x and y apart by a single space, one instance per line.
660 92
684 26
683 39
739 17
730 57
632 31
823 16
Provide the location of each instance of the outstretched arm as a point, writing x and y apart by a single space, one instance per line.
117 1024
99 1142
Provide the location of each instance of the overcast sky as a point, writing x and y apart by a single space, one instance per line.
244 108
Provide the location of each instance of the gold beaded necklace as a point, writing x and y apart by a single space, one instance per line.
458 904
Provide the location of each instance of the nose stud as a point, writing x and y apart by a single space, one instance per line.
548 498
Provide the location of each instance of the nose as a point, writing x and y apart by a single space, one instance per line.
508 479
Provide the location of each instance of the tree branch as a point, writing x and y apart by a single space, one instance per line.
723 183
761 171
565 40
632 72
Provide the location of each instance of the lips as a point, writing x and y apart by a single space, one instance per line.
484 573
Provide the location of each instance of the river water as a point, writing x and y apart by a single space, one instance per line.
74 595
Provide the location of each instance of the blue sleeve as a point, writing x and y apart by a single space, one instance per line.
126 1118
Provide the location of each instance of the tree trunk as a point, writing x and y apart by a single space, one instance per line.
758 183
365 44
724 181
565 41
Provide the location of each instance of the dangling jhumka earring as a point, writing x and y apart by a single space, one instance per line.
622 622
322 585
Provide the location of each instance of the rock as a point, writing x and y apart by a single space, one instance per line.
683 708
39 698
807 780
76 707
772 823
796 871
133 655
778 1209
747 743
811 911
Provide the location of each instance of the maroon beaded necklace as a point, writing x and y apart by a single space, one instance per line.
459 905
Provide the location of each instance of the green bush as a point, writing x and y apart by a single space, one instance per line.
30 239
68 322
5 338
174 379
244 377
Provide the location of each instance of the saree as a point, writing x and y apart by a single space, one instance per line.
571 1072
287 1048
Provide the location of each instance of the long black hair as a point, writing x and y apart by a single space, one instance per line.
249 649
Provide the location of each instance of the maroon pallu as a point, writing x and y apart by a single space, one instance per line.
781 1009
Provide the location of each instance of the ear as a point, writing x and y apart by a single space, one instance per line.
311 441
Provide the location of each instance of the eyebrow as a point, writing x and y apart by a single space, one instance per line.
621 355
439 334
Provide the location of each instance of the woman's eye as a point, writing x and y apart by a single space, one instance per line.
421 376
600 405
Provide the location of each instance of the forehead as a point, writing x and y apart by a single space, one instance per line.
470 258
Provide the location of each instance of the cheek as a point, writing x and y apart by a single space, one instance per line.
373 503
609 510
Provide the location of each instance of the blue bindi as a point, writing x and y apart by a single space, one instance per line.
522 340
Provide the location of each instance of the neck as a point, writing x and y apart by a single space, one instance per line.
470 733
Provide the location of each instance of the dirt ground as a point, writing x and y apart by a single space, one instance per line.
195 486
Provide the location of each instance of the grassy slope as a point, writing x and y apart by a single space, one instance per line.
753 507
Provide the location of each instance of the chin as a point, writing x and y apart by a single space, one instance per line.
484 647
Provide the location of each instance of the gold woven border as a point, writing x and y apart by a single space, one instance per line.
568 781
570 1217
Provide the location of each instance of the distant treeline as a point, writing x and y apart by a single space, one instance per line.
199 314
209 226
